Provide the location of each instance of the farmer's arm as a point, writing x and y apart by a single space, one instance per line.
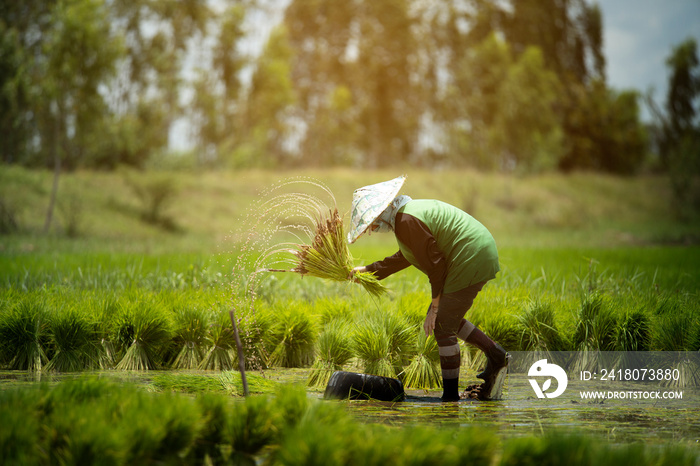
387 266
416 236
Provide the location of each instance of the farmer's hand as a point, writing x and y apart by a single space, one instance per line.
360 269
429 325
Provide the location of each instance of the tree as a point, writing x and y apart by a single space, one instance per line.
368 51
76 59
14 95
215 109
528 124
601 127
145 99
569 33
471 103
268 104
22 27
678 129
503 109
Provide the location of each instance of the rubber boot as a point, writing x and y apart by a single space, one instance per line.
495 360
450 390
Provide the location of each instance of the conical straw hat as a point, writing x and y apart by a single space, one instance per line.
370 201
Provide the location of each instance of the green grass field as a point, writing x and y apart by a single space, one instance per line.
587 262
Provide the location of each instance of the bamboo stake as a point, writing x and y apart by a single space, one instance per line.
241 356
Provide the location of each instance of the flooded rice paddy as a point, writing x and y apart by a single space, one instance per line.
613 404
519 413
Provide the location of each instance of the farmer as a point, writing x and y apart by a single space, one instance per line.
455 251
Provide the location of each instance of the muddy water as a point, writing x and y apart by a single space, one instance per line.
520 412
615 396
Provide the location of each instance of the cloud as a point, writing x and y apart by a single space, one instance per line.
639 35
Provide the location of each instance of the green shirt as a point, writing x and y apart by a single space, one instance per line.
467 245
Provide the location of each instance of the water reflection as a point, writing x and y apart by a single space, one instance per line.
522 413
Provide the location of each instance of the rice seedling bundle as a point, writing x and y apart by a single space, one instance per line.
190 336
537 328
384 342
23 335
634 332
424 370
676 327
76 341
597 324
295 337
329 256
255 330
143 331
220 344
252 427
334 351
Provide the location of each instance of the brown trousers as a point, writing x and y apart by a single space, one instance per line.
450 324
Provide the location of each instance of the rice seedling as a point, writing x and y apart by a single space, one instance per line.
257 338
413 306
695 338
232 383
384 342
189 336
549 450
424 369
76 342
313 440
596 324
211 435
106 310
332 310
252 426
73 438
334 350
158 429
328 256
373 348
294 334
475 446
292 403
595 332
184 383
675 326
502 328
91 421
685 365
537 328
143 333
24 335
673 332
220 349
634 332
21 431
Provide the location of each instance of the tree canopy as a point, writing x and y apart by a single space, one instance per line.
507 85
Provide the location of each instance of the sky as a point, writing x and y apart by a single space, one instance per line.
639 36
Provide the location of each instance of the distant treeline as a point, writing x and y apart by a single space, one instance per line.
507 85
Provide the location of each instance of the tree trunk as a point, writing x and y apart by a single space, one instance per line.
56 174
